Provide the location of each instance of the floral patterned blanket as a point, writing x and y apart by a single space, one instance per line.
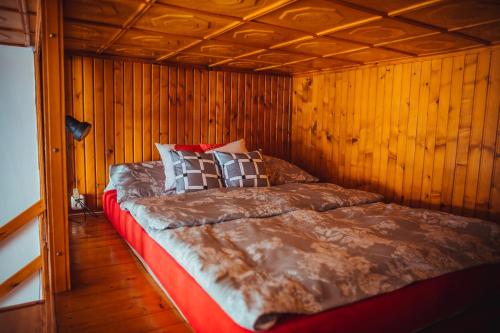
315 258
225 204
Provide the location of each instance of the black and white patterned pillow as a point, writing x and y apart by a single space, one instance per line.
195 171
243 169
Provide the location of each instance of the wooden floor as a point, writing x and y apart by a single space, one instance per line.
111 291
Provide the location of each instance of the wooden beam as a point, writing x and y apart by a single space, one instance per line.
23 10
22 219
395 16
38 28
54 136
414 7
8 285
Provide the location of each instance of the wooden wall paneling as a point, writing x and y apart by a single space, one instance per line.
88 116
393 132
287 116
441 132
372 95
423 133
155 111
377 127
404 113
267 114
132 105
356 123
313 123
137 110
213 107
173 73
247 110
77 108
68 97
296 120
100 162
347 129
219 107
189 107
241 103
278 133
109 118
260 112
226 107
118 109
430 132
464 129
233 106
476 132
421 127
386 127
255 111
411 131
488 191
273 123
146 112
164 105
205 107
54 138
128 111
197 106
452 132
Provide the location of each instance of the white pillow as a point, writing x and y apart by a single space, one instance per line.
168 165
232 147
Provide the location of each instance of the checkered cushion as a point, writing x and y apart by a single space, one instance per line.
243 169
195 171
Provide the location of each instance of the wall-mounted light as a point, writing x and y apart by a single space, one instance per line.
79 129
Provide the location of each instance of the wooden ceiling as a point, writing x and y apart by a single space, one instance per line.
18 22
290 36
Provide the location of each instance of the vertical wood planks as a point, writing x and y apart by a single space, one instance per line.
133 105
423 133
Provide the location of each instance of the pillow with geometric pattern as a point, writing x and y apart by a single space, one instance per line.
195 171
243 169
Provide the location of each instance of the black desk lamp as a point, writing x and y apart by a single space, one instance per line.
79 130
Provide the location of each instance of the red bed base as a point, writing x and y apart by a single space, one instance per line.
404 310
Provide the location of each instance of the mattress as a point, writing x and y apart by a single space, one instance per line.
405 310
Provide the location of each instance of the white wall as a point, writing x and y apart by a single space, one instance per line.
19 174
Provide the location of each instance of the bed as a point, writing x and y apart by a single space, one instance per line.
467 296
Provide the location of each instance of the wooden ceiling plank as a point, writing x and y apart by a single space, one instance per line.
350 25
171 54
411 22
477 24
268 9
225 29
354 62
23 10
414 7
345 51
238 22
405 39
38 28
222 62
411 54
130 21
110 25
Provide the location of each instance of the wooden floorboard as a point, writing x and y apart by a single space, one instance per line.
111 290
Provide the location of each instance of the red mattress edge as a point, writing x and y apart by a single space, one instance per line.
414 306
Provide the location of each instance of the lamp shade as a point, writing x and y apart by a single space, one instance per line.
79 129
